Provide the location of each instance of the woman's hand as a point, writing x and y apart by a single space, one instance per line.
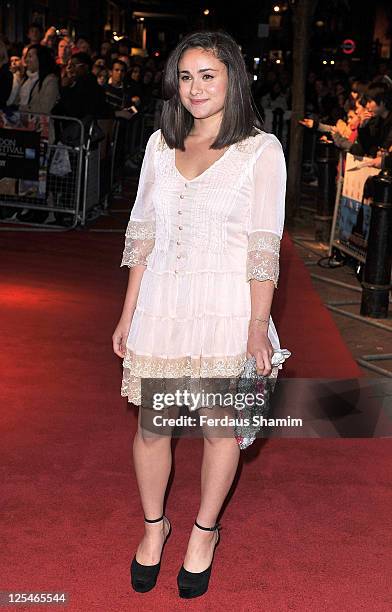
259 346
120 336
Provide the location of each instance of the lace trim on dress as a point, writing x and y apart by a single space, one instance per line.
139 242
263 256
161 367
136 367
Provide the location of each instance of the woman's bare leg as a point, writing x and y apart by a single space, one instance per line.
152 460
219 466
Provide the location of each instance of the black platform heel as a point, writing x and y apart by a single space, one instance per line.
144 577
194 584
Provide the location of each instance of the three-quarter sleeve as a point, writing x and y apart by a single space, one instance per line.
140 232
266 221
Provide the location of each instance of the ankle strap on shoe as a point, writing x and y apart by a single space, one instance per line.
207 528
154 520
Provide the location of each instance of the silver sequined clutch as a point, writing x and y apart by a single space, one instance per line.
258 389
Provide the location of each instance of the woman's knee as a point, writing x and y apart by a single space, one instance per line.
149 438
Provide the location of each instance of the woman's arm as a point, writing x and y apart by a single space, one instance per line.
139 242
259 344
264 235
120 334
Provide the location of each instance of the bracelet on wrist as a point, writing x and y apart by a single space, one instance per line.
258 320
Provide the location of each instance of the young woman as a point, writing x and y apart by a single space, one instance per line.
202 245
40 90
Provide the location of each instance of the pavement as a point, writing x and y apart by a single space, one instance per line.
363 335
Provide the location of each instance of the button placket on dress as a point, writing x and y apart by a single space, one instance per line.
180 228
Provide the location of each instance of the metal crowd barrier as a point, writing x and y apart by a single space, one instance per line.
127 141
66 181
351 206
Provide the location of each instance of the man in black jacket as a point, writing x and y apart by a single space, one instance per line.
81 96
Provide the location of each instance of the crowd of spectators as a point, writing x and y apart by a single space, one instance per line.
106 82
354 111
364 127
52 73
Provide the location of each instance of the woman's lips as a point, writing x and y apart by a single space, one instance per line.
198 101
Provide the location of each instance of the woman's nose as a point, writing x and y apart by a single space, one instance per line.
196 88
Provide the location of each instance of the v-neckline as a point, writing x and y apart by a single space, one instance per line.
215 163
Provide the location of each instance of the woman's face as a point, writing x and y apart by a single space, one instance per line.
135 73
203 81
32 63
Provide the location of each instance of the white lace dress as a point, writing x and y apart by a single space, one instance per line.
201 240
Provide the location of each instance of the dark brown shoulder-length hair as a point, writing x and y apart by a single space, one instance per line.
239 112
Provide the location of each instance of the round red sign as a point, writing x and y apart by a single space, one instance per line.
348 46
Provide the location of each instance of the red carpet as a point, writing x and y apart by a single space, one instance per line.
309 521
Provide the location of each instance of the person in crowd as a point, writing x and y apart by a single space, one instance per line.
117 94
102 76
6 78
326 101
40 91
134 85
113 55
29 80
83 46
343 133
275 98
318 98
82 96
361 109
50 38
17 70
375 131
358 88
147 91
126 60
64 52
105 50
98 65
34 34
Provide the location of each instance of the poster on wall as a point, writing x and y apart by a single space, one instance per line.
354 211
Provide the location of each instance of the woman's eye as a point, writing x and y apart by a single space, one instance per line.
186 77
